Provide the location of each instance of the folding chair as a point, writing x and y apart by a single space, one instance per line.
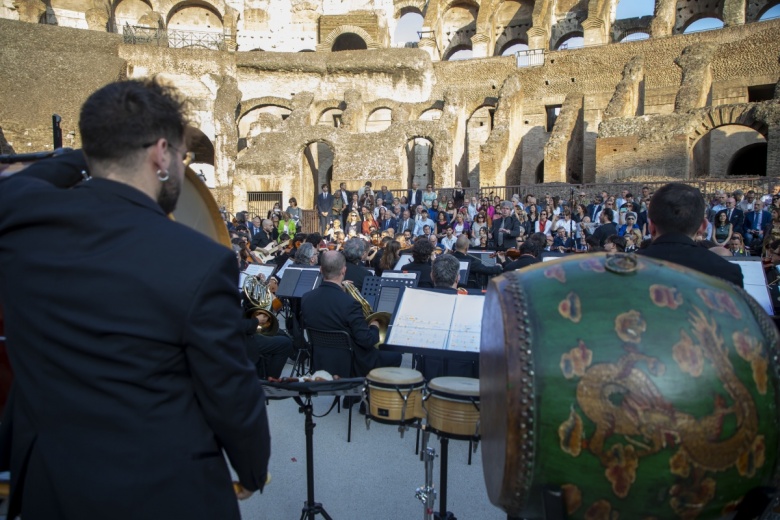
334 352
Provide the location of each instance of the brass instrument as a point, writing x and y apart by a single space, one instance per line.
257 292
382 317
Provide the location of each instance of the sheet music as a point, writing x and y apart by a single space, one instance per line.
388 296
287 264
754 280
434 320
399 276
402 261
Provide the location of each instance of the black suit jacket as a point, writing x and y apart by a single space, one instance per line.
324 204
425 273
510 239
356 274
604 231
681 249
417 200
328 307
737 219
131 372
523 261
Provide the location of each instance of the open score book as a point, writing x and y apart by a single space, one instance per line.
434 320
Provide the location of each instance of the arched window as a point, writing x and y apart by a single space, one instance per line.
772 12
459 53
703 24
406 30
380 119
574 41
130 12
349 42
513 47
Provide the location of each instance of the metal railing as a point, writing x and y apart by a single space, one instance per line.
173 38
530 58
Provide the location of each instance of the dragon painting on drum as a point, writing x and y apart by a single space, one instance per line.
654 391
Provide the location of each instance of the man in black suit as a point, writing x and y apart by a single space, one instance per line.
476 267
414 197
676 216
324 208
421 263
735 215
607 227
505 228
328 307
595 208
130 366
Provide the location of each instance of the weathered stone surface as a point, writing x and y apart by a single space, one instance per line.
696 76
625 100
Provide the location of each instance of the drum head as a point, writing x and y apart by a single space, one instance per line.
395 375
455 385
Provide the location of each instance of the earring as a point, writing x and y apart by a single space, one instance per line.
163 177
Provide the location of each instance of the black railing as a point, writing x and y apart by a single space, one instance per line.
176 39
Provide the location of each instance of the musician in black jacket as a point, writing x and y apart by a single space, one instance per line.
505 228
476 267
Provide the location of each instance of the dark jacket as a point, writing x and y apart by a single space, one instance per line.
146 376
329 308
682 250
425 273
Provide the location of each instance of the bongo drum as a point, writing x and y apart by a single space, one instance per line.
639 388
395 395
452 406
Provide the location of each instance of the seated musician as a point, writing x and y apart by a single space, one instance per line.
421 255
530 253
355 252
445 274
476 267
263 237
269 353
330 308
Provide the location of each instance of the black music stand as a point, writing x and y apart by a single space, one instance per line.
296 282
303 391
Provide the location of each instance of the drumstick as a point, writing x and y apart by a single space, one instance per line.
242 493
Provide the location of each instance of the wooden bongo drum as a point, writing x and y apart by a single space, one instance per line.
452 406
395 395
640 388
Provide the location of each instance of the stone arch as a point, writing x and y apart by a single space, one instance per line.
430 114
459 42
409 6
713 117
132 12
251 104
510 36
707 148
556 44
169 7
332 111
757 9
379 119
269 115
456 25
690 11
328 41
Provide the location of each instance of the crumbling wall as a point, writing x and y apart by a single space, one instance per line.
563 152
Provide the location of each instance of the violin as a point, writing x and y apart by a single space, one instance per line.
512 253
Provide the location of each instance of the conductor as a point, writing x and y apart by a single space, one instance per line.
131 373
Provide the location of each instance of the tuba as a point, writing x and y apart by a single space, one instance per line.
259 296
382 317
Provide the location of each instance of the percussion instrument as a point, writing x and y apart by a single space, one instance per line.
638 387
452 406
395 395
198 209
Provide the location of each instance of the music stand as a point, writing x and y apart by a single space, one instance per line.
297 281
303 391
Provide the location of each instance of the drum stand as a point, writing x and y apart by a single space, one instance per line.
427 494
311 508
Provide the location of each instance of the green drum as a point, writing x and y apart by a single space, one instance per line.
641 389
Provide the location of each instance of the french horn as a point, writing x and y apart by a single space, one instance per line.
260 298
382 317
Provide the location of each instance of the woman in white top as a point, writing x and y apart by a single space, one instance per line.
480 222
293 210
566 223
543 225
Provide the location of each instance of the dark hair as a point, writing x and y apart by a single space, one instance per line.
445 270
609 214
314 239
620 242
531 247
716 220
540 239
122 118
676 208
422 249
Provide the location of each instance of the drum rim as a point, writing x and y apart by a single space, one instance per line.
457 398
418 385
454 436
412 376
432 384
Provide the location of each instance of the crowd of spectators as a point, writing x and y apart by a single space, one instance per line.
738 224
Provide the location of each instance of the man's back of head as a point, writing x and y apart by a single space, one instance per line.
331 265
462 244
354 249
676 208
445 270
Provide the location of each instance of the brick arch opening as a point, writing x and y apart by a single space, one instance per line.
328 42
721 135
132 12
511 21
456 26
750 160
